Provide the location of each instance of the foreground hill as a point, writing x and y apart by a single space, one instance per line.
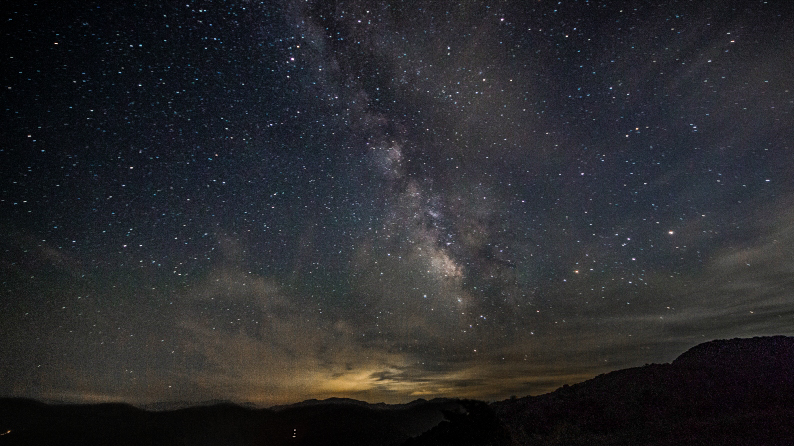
738 392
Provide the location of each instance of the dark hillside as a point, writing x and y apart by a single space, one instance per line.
739 391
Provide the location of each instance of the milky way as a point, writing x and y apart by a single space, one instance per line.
273 201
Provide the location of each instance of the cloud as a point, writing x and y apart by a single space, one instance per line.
247 338
420 331
756 277
29 257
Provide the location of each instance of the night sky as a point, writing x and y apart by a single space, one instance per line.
385 200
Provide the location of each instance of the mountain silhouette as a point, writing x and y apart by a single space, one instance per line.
727 392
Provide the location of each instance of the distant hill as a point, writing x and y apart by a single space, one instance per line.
329 422
730 392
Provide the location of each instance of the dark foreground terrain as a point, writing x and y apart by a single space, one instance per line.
735 392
